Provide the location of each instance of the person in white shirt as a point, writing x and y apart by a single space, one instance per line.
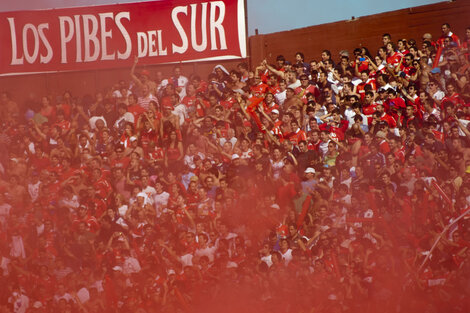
160 198
280 96
204 249
124 117
147 189
180 82
285 251
266 255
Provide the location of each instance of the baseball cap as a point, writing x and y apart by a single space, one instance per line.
381 134
235 156
37 305
275 111
310 170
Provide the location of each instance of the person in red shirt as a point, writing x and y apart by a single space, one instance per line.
269 104
297 134
453 96
366 81
273 86
406 66
393 102
228 100
393 57
382 116
336 125
190 100
368 106
61 122
466 44
306 88
102 187
402 47
258 89
447 33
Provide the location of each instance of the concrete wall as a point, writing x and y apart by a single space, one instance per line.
362 31
29 87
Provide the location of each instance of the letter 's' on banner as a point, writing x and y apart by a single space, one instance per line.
110 36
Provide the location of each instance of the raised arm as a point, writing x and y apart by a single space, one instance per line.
133 76
273 70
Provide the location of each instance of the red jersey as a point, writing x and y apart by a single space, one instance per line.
339 130
259 90
297 137
395 58
455 98
228 103
102 188
64 125
455 38
361 87
397 103
136 110
303 92
390 120
368 111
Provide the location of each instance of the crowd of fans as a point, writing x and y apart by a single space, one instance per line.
335 185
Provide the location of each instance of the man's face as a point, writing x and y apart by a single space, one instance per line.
385 179
145 90
445 29
409 111
408 61
289 93
314 136
272 81
294 126
313 66
212 100
313 124
364 77
269 98
450 89
191 91
336 117
385 40
209 182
